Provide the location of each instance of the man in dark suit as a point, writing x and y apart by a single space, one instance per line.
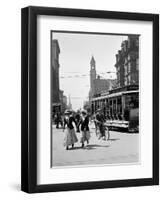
100 119
84 128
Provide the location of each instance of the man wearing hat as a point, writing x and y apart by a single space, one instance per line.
78 121
84 128
99 119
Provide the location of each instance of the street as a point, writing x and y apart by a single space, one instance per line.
120 148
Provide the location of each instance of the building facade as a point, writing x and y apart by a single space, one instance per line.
63 101
92 77
98 84
59 100
55 72
122 97
127 62
69 105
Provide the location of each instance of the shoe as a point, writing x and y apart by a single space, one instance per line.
67 148
103 137
82 145
72 145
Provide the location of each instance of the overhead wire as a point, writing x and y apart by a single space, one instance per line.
83 75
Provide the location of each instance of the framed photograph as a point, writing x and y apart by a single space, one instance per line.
90 99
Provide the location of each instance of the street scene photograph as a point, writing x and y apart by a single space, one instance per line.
94 99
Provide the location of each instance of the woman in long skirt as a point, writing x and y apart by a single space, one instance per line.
85 128
70 136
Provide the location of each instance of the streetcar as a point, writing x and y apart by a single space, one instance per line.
120 108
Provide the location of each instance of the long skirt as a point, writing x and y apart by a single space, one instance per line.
70 137
85 136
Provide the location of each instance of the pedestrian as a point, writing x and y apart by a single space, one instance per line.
70 135
58 119
84 128
95 123
99 119
78 120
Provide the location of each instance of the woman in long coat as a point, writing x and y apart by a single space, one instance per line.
85 128
70 136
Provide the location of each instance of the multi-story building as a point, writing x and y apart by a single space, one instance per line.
69 106
59 100
98 84
63 101
55 92
127 62
55 71
121 101
92 77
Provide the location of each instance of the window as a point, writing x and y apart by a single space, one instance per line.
128 57
129 67
137 64
137 42
129 79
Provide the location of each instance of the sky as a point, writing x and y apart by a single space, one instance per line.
76 50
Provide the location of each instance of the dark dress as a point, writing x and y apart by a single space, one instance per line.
78 119
85 130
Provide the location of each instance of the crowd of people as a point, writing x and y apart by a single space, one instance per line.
78 122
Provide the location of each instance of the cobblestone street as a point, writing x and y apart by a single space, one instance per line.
120 148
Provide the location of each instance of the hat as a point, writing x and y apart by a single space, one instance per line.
98 110
78 111
84 112
68 112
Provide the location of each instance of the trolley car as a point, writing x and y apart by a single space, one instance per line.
120 108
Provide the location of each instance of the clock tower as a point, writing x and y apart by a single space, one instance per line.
92 76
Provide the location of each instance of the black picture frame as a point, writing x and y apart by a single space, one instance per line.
29 98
